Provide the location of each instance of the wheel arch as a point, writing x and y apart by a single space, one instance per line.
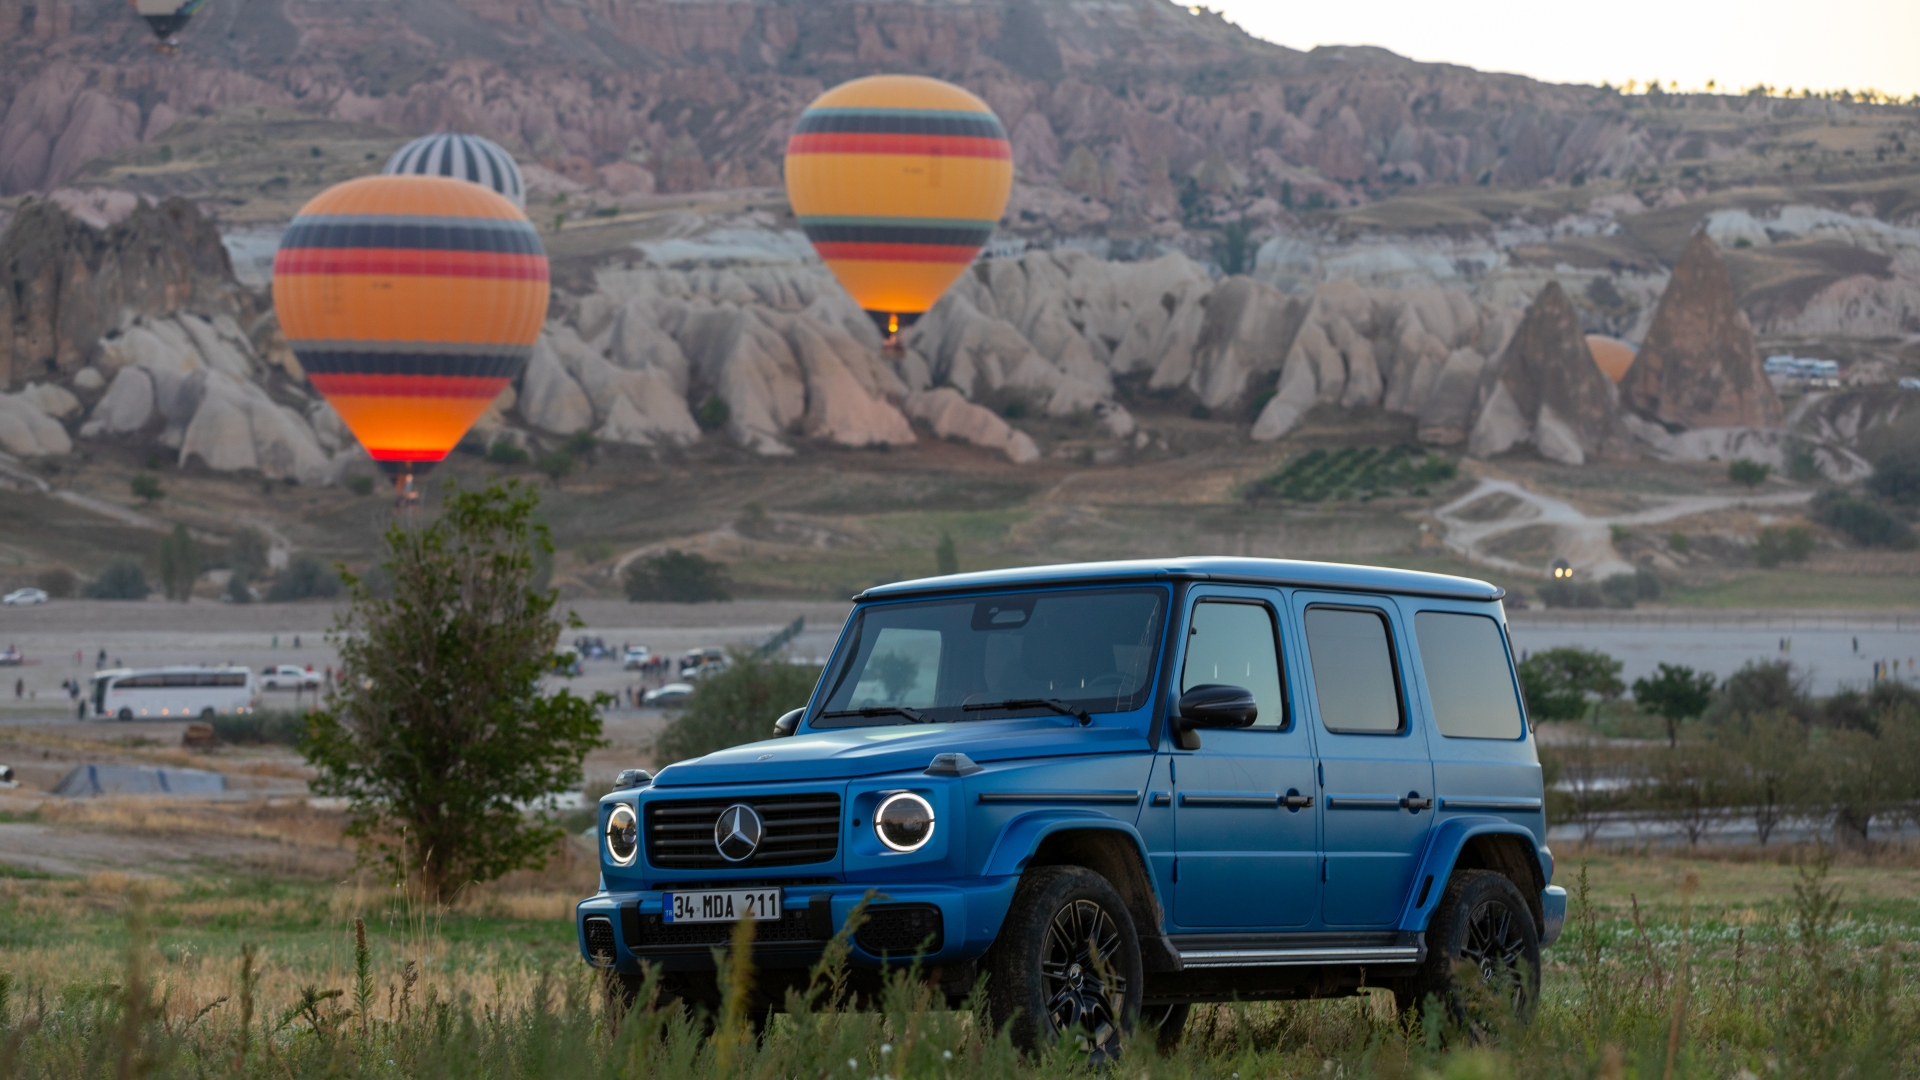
1477 843
1105 846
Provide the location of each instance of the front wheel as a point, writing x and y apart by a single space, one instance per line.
1483 955
1068 959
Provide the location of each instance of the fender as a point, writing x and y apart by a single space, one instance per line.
1023 835
1443 850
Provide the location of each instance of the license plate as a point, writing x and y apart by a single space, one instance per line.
756 905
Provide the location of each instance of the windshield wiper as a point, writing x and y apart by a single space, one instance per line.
1055 704
915 715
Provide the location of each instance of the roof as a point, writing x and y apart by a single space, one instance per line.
1313 575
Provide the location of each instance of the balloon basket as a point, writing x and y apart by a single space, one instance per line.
406 497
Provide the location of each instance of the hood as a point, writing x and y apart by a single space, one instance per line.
868 751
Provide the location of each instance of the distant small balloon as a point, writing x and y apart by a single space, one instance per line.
463 157
411 302
167 17
1612 355
898 180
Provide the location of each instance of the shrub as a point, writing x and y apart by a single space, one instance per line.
1557 682
1776 545
361 485
582 443
306 577
261 728
1748 472
556 465
1761 687
504 452
1896 477
1620 590
179 564
146 487
57 583
1560 593
123 580
1679 543
737 705
713 413
946 558
678 577
1864 522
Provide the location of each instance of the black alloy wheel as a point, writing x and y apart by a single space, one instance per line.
1483 956
1067 960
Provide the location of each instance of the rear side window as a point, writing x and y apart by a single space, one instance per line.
1234 644
1465 661
1353 676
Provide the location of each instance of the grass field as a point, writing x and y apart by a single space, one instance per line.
1729 966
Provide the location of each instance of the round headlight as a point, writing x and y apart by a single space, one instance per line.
623 835
904 821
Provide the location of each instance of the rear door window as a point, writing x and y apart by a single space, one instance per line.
1469 681
1354 679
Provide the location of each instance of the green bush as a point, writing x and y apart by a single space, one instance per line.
1864 522
556 465
1748 472
123 580
146 487
737 705
713 413
678 577
1762 687
1896 477
305 578
946 558
361 485
1560 593
504 452
261 729
1777 545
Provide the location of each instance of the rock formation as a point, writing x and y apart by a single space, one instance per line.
1699 367
64 285
1546 390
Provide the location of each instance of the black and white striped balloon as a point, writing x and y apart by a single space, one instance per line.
463 157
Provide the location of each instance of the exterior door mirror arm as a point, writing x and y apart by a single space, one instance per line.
1212 705
788 723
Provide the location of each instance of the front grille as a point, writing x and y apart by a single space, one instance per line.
800 829
900 929
600 939
796 924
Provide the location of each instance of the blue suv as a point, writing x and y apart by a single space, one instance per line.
1116 789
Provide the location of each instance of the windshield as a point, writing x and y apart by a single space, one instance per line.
990 657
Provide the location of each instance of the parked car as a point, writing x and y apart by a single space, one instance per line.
19 597
637 657
695 658
671 696
288 677
11 656
1118 789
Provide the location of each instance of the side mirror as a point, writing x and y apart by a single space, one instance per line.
788 723
1212 705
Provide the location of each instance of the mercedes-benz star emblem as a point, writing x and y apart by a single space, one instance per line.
737 834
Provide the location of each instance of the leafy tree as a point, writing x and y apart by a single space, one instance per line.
361 485
1865 522
1747 472
504 452
556 465
122 580
1675 693
179 564
1761 687
946 558
713 413
442 735
678 577
1230 251
247 549
737 705
1558 683
306 577
146 487
582 444
1774 779
1692 786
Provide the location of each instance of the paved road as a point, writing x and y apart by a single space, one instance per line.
1826 657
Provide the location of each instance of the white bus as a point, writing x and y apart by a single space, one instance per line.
170 693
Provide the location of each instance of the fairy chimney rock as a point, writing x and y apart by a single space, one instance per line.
1699 367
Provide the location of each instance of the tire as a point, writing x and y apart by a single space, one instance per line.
1067 959
124 715
206 714
1482 923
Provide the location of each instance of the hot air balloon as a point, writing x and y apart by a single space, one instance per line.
463 157
411 301
898 181
166 17
1612 355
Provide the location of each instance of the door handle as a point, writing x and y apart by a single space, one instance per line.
1295 801
1413 803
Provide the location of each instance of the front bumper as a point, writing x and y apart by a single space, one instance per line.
969 918
1553 909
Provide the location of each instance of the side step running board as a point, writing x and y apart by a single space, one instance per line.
1223 958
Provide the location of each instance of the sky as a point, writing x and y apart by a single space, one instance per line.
1819 44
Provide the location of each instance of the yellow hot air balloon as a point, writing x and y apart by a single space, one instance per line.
898 180
411 301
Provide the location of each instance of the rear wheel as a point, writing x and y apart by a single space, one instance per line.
1483 955
206 714
1168 1023
1067 959
124 714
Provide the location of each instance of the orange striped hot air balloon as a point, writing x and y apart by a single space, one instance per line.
411 302
898 180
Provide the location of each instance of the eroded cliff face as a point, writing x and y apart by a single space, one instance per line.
1699 367
1126 101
